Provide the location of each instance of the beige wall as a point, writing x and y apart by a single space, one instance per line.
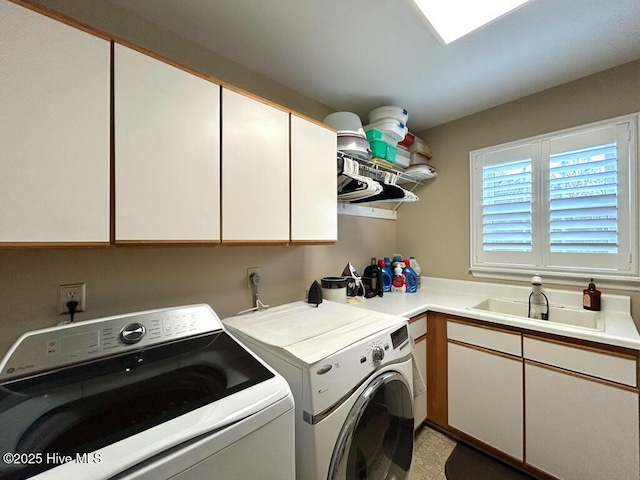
436 229
127 279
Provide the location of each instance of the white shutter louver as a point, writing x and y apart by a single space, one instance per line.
583 189
506 207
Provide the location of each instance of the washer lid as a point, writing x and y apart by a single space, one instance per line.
309 333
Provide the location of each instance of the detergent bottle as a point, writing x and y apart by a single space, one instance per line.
416 268
399 284
387 275
411 277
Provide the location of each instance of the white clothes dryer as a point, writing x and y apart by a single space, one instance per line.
158 394
350 371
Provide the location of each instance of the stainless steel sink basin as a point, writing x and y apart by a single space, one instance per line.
567 316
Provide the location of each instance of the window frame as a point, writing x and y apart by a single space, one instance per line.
521 266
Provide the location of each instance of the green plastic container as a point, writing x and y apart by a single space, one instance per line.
391 153
381 149
373 134
378 148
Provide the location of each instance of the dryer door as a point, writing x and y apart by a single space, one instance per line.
376 441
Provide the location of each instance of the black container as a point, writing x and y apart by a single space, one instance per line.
372 279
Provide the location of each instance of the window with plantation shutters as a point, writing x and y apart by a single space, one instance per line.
564 204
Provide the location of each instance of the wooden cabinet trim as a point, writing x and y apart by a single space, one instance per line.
313 120
437 382
582 376
62 18
485 350
12 245
418 317
312 242
245 243
161 243
420 338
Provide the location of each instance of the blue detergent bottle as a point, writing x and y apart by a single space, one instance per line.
387 276
411 277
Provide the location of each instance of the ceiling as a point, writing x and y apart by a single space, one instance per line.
355 55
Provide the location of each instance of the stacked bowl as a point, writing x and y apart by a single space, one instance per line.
351 136
387 126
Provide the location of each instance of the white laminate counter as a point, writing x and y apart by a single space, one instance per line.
454 297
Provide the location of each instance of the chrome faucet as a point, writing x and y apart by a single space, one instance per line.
538 301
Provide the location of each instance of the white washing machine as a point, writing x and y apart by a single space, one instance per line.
151 395
350 371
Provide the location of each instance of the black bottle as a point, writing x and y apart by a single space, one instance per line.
372 279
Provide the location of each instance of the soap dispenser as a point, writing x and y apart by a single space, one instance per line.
538 301
591 297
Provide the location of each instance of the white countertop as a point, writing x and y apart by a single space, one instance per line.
454 297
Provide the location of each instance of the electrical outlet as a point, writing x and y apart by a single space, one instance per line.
249 272
77 292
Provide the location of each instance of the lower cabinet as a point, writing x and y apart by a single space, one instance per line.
578 428
485 397
560 408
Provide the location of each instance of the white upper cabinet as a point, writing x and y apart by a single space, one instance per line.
54 131
314 214
255 171
167 152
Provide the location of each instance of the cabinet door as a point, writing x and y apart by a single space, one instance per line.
54 131
485 397
418 331
314 214
580 429
255 171
167 152
420 402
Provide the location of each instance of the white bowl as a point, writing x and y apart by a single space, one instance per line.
355 146
357 133
344 121
387 112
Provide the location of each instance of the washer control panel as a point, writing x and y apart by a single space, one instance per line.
72 343
331 377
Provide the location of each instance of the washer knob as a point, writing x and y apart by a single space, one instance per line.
132 333
377 353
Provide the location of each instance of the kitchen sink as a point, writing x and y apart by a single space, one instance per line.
567 316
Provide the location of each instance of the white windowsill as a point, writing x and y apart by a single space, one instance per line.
558 278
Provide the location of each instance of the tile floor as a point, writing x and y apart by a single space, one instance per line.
430 453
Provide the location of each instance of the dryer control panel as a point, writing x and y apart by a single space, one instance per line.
335 376
55 347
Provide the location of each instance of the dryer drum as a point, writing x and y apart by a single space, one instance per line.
376 440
